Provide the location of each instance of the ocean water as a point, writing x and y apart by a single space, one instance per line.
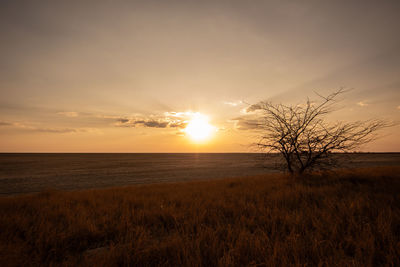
28 173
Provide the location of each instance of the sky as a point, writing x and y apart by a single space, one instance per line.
128 76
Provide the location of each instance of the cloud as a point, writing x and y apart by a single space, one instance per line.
134 122
398 107
180 125
175 120
39 129
4 123
121 120
55 130
69 114
170 119
362 104
150 123
243 123
253 108
153 123
180 115
233 103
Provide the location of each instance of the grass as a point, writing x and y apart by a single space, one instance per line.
347 218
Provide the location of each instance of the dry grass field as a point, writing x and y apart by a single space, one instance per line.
346 218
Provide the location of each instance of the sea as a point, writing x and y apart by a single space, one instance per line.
35 172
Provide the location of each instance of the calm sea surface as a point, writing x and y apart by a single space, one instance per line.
27 173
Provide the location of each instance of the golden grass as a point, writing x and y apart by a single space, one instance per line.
351 218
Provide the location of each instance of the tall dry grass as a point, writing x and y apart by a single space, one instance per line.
344 219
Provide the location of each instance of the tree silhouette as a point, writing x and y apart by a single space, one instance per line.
304 137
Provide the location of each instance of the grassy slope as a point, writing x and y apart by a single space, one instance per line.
346 218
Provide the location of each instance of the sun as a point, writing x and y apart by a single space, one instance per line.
198 128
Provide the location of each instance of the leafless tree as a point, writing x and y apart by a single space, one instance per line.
304 137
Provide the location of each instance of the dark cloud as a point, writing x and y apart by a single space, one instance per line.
178 125
55 130
254 107
123 120
154 124
161 122
244 123
3 123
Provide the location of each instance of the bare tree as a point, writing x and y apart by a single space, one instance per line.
304 137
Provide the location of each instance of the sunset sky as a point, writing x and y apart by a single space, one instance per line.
129 76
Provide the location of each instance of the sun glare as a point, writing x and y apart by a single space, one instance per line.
198 128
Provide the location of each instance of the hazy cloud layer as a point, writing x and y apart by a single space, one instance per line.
75 121
43 129
4 123
70 114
